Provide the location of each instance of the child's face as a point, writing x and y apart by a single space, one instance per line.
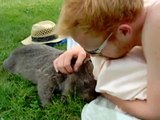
107 46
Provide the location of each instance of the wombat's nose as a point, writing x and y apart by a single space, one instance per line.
5 64
8 65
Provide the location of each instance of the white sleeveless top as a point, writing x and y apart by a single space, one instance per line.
125 78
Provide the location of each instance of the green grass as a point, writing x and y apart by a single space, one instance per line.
18 97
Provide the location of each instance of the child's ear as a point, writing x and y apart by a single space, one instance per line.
124 32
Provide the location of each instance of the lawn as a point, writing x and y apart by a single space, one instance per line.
18 97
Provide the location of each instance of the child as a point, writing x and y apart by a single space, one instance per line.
111 28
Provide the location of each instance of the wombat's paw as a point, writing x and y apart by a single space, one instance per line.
45 103
64 99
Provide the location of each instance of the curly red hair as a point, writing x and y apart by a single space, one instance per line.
96 15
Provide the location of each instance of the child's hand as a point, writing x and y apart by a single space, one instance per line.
63 62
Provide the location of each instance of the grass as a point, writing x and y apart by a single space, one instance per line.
18 97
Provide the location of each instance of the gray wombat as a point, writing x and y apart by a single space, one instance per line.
34 62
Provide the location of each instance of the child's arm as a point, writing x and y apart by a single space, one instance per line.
137 108
151 48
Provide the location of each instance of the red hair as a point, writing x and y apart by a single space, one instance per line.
96 15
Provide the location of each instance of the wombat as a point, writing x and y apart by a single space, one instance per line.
34 63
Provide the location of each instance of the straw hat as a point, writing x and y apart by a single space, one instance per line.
42 33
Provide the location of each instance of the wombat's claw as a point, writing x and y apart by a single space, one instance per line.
63 98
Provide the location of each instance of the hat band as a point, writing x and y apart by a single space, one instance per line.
44 39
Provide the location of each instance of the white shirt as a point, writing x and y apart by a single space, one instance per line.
125 78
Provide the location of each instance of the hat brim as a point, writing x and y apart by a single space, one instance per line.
29 41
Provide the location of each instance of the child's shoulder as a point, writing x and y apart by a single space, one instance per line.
150 2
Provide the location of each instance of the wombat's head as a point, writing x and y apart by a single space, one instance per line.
85 82
9 63
15 59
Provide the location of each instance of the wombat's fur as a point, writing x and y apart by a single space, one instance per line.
34 62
